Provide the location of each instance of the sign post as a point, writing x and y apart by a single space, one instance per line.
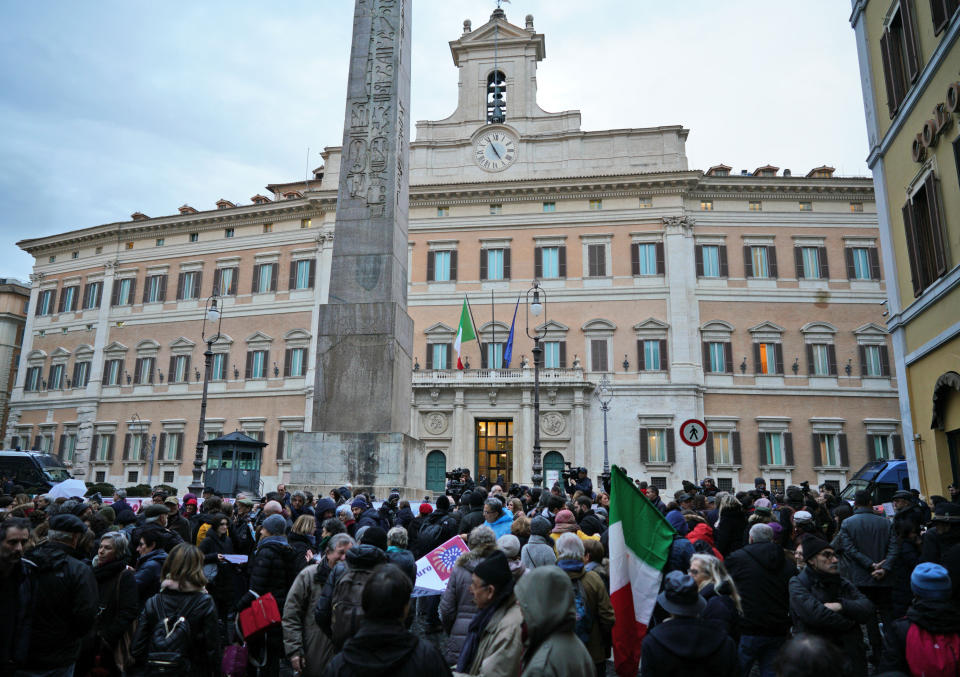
693 431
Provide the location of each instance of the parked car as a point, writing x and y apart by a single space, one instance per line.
880 478
35 471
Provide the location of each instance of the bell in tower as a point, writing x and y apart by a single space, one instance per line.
496 98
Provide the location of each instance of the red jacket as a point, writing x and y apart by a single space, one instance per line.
704 532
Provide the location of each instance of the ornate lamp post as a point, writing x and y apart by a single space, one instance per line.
213 314
604 394
536 303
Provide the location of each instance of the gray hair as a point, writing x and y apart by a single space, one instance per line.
569 546
299 494
345 510
120 494
121 545
495 504
482 535
397 536
339 539
509 545
761 533
61 536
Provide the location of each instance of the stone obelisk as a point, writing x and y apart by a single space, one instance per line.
361 415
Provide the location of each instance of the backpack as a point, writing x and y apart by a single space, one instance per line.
930 654
170 642
431 536
584 623
347 610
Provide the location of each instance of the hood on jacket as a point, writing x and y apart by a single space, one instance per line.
470 558
689 638
325 505
939 616
675 518
701 532
365 556
378 648
769 555
50 556
546 598
278 543
540 526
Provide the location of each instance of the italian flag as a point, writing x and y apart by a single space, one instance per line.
639 542
464 332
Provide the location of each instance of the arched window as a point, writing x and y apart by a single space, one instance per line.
436 471
496 97
552 467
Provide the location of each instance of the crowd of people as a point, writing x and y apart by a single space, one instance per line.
791 584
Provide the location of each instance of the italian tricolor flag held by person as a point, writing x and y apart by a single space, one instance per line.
639 542
464 332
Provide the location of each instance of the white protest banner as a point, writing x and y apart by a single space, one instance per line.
434 568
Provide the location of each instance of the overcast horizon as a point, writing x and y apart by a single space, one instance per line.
117 107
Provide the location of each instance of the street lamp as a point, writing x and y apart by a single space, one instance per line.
213 315
536 302
604 394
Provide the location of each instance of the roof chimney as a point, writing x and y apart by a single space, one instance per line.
139 216
187 209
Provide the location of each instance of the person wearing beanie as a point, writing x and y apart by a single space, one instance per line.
494 642
509 545
413 529
471 508
824 603
425 509
365 514
436 529
927 640
567 523
457 607
539 550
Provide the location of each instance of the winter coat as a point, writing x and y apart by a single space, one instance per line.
119 599
908 556
221 587
244 541
501 526
381 649
677 646
598 602
731 530
358 557
403 558
200 612
936 545
939 617
721 610
181 527
681 550
300 544
16 610
473 517
501 643
64 606
546 600
457 607
301 634
703 532
659 505
370 518
272 570
448 530
809 590
864 538
762 576
404 517
148 574
537 552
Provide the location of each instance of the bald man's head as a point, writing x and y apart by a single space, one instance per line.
272 508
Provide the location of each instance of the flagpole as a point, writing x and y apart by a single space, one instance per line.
493 324
476 330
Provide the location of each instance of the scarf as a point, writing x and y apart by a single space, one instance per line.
479 624
564 528
570 564
935 615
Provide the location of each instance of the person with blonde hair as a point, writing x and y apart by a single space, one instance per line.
301 538
720 592
181 595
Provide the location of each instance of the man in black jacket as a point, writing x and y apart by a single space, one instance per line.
16 593
471 506
382 645
824 603
762 576
439 527
65 600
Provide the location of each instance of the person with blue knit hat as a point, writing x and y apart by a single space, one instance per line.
927 640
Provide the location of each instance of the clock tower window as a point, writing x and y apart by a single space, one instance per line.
496 97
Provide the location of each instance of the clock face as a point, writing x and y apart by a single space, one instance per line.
495 151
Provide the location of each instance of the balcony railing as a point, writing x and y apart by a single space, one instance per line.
451 376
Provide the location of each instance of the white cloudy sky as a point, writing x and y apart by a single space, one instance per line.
115 106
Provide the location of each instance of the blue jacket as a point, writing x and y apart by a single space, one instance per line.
502 526
148 574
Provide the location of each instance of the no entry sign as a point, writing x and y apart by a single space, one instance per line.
693 432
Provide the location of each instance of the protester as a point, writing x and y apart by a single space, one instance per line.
196 649
473 513
494 641
438 528
823 603
944 533
539 548
671 648
16 593
565 523
731 525
807 656
301 537
718 589
595 615
218 572
382 646
762 576
176 521
521 529
457 607
149 564
509 545
497 517
546 600
306 646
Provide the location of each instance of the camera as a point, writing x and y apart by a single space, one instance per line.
455 484
569 472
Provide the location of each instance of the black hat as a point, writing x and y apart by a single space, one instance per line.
443 503
494 570
812 546
68 523
155 510
680 596
684 497
79 509
947 512
374 536
125 517
904 494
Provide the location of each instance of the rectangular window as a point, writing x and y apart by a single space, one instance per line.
306 223
596 205
55 382
160 242
711 260
755 206
81 374
659 482
68 299
112 372
168 477
773 448
155 289
495 261
45 302
124 291
656 445
859 264
651 355
296 363
32 381
91 295
722 451
820 354
551 261
494 355
143 371
171 446
598 355
717 357
706 205
218 367
856 207
264 278
647 258
496 209
257 364
873 360
549 206
646 203
194 237
725 484
438 352
179 369
228 232
597 260
68 447
760 262
881 447
443 211
268 228
303 274
925 235
442 267
767 358
811 262
553 354
829 450
133 446
806 206
225 282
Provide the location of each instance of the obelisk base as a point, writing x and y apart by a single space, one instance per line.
371 462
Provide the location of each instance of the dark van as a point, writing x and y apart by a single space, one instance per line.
36 472
880 478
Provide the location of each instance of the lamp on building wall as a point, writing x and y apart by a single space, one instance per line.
416 364
604 395
536 306
743 366
276 370
196 373
127 373
849 367
213 315
795 366
236 373
626 363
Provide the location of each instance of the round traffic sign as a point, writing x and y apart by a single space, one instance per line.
693 432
